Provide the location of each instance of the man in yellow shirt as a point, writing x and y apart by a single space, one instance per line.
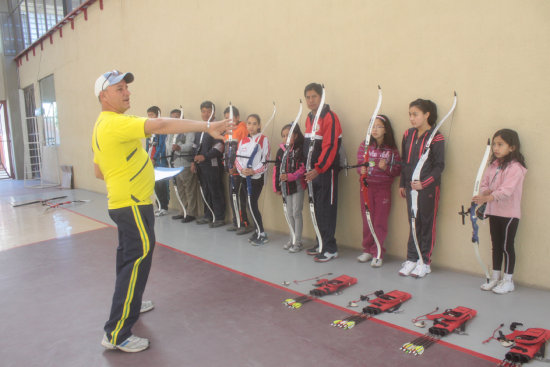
120 160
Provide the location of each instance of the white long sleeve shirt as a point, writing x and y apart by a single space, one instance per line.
244 151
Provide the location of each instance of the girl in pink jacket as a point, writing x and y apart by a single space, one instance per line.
501 189
383 166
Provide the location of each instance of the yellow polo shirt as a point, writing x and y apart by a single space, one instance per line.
126 167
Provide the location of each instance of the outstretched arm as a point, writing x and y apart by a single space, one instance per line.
177 126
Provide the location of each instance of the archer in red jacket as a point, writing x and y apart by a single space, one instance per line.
324 170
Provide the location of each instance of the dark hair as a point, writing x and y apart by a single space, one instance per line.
178 111
209 105
425 105
235 111
154 109
257 117
318 88
299 141
512 139
389 139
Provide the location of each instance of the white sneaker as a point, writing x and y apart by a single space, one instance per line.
296 248
146 306
327 256
106 343
364 257
131 345
489 286
376 263
421 270
287 245
407 267
161 212
504 286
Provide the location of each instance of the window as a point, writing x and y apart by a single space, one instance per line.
49 111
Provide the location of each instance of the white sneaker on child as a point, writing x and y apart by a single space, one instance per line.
421 270
407 267
364 257
376 263
296 248
489 286
504 286
161 212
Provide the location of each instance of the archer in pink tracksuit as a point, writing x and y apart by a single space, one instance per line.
501 189
384 164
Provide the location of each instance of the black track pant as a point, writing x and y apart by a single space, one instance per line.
238 181
325 196
136 241
503 231
212 187
428 201
163 193
257 186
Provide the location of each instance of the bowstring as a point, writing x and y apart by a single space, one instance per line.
268 173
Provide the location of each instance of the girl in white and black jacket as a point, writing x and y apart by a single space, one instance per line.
252 154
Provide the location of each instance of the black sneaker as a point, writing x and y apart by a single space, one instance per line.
217 224
253 237
232 228
313 251
260 241
188 219
204 221
245 230
324 257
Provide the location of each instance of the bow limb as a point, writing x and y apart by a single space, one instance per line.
230 148
373 117
416 177
364 183
472 210
249 165
282 170
178 196
230 118
198 169
451 110
270 119
309 168
481 168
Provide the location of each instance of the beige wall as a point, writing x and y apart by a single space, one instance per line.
494 53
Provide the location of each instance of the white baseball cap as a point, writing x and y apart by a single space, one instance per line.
110 78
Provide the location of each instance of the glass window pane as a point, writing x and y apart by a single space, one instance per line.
41 19
49 110
60 11
50 13
25 24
